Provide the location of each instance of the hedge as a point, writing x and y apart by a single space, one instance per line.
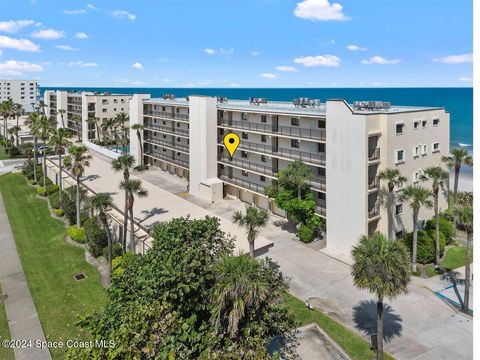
425 245
76 234
445 226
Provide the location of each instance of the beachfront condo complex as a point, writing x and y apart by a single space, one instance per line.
23 92
345 145
79 107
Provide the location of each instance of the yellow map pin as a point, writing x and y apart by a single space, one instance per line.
231 142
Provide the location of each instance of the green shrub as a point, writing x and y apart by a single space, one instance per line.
306 233
447 215
54 200
445 226
52 188
425 245
95 236
70 204
32 182
58 212
41 191
116 251
143 167
76 234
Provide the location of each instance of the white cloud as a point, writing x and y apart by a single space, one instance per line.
138 83
319 60
92 7
66 47
75 12
286 68
122 14
166 80
226 52
19 68
13 26
455 59
81 35
356 48
82 64
138 66
379 60
234 85
465 79
255 53
48 34
18 44
320 10
209 51
121 81
269 76
205 83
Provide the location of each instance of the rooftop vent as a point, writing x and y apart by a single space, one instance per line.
257 101
371 105
306 102
169 97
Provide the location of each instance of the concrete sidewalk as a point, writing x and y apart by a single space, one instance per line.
22 315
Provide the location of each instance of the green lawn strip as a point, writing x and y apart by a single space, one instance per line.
454 258
5 353
50 264
353 344
3 156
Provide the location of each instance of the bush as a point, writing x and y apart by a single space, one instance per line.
70 204
58 212
54 200
52 188
76 234
445 226
425 245
116 251
95 236
41 191
32 182
306 233
143 167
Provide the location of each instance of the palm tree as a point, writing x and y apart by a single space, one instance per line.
77 160
102 202
45 126
62 112
465 217
17 112
121 119
138 127
60 141
416 196
42 105
381 267
27 149
96 122
296 173
6 109
393 178
438 177
77 119
238 286
253 220
14 130
132 187
32 122
124 163
109 126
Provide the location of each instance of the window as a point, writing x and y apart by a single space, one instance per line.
416 177
264 118
164 122
122 101
424 123
416 124
416 151
436 147
398 209
177 110
321 124
155 147
222 131
104 110
222 166
244 116
179 140
263 158
104 101
178 124
263 138
399 234
114 109
262 178
244 135
436 122
295 143
244 173
164 136
178 154
399 156
321 148
399 128
424 149
321 171
295 122
244 154
115 101
163 108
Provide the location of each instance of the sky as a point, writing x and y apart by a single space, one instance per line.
237 43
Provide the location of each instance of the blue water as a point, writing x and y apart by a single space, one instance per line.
457 101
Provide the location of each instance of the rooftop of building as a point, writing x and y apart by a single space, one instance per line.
301 106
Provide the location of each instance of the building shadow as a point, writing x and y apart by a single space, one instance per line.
286 225
151 213
365 319
90 178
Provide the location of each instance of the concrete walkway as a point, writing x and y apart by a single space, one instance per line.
22 315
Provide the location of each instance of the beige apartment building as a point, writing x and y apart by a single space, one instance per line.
23 92
345 145
81 106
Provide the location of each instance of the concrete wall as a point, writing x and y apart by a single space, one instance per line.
136 117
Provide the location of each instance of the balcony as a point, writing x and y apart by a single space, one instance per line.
170 144
293 131
321 209
374 184
374 212
74 101
244 184
374 154
74 126
262 169
166 129
318 183
167 158
166 115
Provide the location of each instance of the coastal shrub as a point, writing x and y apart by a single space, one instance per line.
300 211
425 245
70 204
116 251
306 234
27 170
52 188
41 191
32 182
95 236
143 167
447 215
76 234
445 226
58 212
54 200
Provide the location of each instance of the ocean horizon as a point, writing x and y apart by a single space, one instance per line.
458 101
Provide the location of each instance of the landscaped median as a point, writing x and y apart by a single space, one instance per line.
50 264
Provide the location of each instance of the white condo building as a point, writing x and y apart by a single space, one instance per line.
345 145
23 92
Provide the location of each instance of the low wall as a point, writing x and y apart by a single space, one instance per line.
102 150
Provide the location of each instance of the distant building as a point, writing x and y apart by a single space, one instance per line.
345 145
24 92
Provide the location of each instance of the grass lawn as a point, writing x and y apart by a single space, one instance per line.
50 264
454 258
5 353
3 156
353 344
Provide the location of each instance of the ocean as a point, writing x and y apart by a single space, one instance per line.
457 101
